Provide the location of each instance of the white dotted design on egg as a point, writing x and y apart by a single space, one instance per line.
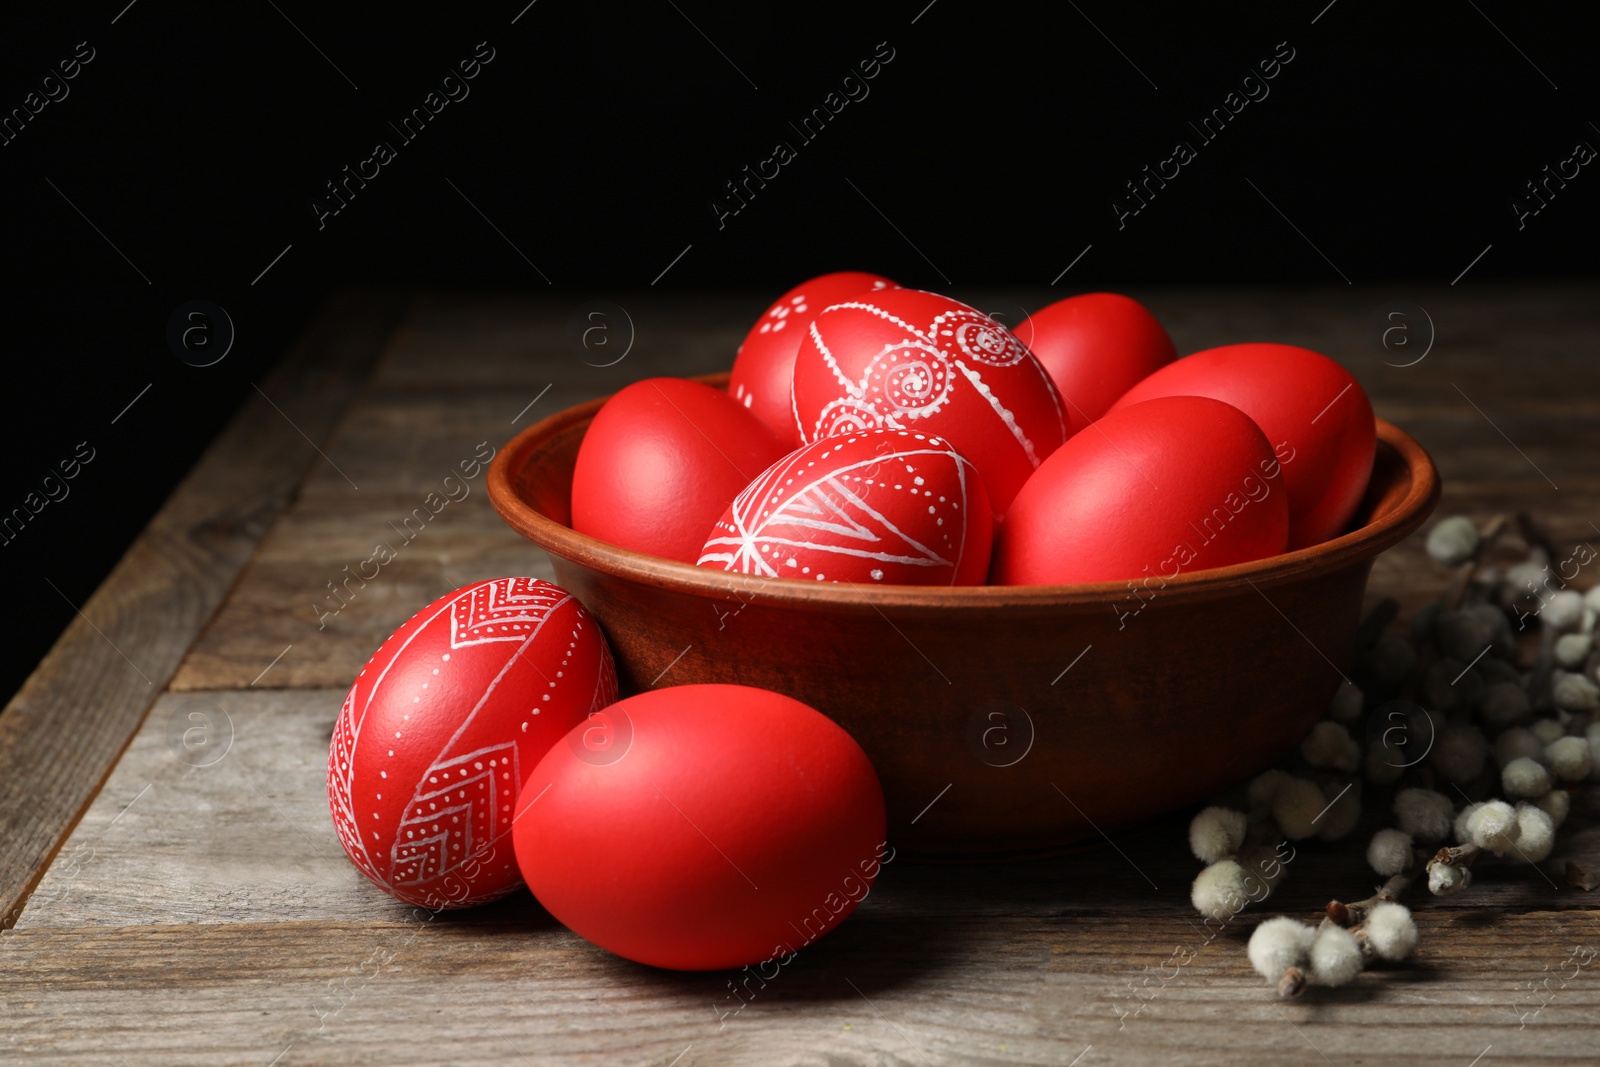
959 339
781 524
450 819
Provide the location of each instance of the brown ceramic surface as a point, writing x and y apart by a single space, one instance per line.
1002 720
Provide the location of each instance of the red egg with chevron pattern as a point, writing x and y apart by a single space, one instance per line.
874 507
763 368
444 724
904 359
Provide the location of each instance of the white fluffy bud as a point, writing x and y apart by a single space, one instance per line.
1278 944
1573 649
1346 704
1264 786
1547 730
1530 577
1494 826
1335 956
1563 611
1391 931
1556 804
1219 891
1536 834
1453 540
1569 758
1525 778
1296 806
1423 813
1446 878
1389 852
1329 746
1216 833
1574 692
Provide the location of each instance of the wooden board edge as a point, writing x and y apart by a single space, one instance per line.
51 772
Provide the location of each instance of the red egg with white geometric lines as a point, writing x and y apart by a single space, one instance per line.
904 359
874 507
764 365
444 724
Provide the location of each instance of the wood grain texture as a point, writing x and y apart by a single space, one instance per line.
61 732
513 988
203 913
237 830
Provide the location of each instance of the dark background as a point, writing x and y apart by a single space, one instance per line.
988 151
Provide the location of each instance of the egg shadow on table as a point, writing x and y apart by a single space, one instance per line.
518 911
868 954
922 918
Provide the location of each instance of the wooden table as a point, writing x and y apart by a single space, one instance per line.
179 896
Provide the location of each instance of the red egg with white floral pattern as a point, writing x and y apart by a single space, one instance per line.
904 359
764 365
874 507
444 724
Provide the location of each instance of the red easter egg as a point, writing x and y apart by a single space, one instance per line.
442 726
1150 491
764 365
709 826
1314 412
872 507
662 461
1096 347
910 360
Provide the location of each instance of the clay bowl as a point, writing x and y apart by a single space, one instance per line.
1003 721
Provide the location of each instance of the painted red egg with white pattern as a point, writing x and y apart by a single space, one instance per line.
874 507
444 724
905 359
764 365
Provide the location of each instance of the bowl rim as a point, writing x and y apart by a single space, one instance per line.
561 541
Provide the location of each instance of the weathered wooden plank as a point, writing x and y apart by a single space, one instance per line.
285 601
61 732
884 989
218 893
234 828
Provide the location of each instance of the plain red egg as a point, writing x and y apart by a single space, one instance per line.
878 506
662 461
1314 412
764 365
702 826
1096 347
1150 491
909 360
445 722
